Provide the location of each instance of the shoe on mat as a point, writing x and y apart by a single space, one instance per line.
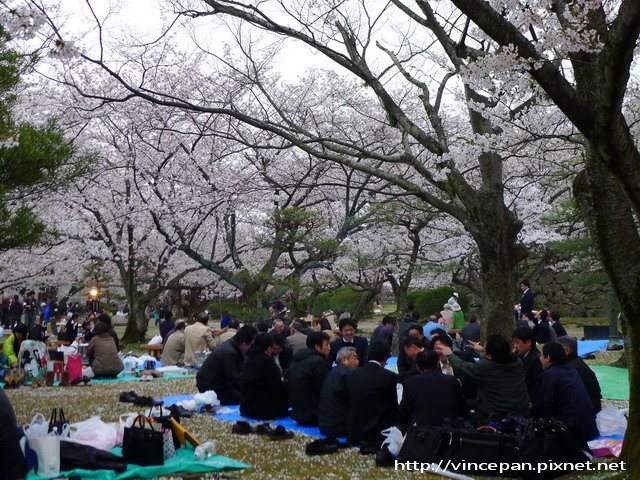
320 447
280 433
128 397
264 429
146 402
242 427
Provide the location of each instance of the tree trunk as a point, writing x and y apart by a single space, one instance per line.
361 308
136 321
611 223
400 292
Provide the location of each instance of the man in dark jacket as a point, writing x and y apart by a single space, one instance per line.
281 353
430 396
222 369
556 325
384 331
263 395
332 418
471 332
561 394
15 310
349 339
406 363
525 346
373 400
589 379
166 325
526 302
305 378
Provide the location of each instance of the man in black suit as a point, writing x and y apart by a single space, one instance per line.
524 340
431 396
570 345
372 398
526 302
281 353
349 339
406 363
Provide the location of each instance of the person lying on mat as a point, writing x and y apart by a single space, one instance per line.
332 417
499 378
102 353
222 369
561 393
262 395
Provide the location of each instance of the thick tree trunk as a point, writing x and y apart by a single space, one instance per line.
400 292
611 222
136 322
361 308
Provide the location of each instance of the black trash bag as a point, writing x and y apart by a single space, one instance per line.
75 455
13 465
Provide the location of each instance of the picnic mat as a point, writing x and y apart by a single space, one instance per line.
614 382
233 415
183 461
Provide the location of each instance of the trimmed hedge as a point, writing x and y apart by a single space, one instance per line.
343 299
238 312
428 302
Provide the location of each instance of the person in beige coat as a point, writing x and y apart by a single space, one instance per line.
173 353
103 353
197 338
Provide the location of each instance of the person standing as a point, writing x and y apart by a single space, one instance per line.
30 309
526 301
15 310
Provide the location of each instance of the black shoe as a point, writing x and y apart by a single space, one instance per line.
242 427
280 433
335 441
264 429
147 402
321 447
129 397
384 458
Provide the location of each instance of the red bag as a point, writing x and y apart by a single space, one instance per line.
74 366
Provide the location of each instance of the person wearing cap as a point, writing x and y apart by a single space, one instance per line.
447 317
173 352
453 298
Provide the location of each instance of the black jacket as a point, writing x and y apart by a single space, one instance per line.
532 370
543 332
559 328
305 378
562 395
384 333
589 380
221 372
263 395
373 403
285 358
526 302
332 418
165 327
430 397
405 363
359 343
471 332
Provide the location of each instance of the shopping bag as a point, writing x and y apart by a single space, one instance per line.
74 366
141 445
47 449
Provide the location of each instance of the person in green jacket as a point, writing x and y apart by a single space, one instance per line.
11 346
458 316
499 376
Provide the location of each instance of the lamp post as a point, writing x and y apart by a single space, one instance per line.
93 304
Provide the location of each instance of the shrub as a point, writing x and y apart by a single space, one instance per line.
343 299
428 302
237 311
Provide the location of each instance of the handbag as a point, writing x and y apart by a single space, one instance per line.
74 366
59 422
141 445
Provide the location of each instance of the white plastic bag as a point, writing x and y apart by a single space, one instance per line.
399 390
611 421
95 433
39 427
47 449
394 440
207 398
156 340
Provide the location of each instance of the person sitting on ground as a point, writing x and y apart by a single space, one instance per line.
447 317
232 328
544 332
372 398
103 353
384 331
88 328
409 320
297 340
471 332
197 338
410 349
279 327
166 325
589 379
458 316
71 329
525 347
561 394
305 378
556 325
332 416
440 344
430 326
281 353
405 364
325 326
106 319
262 395
222 369
349 338
37 331
262 327
430 396
499 378
11 346
173 352
525 321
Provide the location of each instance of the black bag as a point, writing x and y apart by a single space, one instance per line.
549 440
142 446
75 455
57 420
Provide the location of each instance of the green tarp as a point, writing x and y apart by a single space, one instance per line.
614 382
183 461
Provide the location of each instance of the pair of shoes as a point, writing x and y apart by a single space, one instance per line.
384 458
182 434
323 446
280 433
242 427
